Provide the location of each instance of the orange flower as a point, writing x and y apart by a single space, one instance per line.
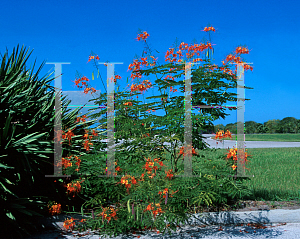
169 174
66 162
219 134
230 57
93 57
78 162
94 133
68 135
74 187
78 119
86 136
232 153
248 67
86 90
128 103
133 181
105 215
182 151
117 77
149 207
234 167
86 145
77 81
55 209
227 134
241 50
143 36
144 61
153 61
69 224
206 29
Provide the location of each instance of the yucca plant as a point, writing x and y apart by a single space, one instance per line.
27 144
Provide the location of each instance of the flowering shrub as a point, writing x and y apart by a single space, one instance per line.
149 189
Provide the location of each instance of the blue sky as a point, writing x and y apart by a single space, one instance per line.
67 31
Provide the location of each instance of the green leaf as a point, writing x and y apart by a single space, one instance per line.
4 166
7 181
9 214
7 190
7 126
128 206
14 205
28 139
25 211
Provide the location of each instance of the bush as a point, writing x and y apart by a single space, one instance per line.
26 145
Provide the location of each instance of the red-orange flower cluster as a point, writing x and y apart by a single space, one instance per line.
143 36
206 29
151 208
141 87
149 166
93 57
241 50
68 135
193 50
82 81
82 119
233 153
220 134
74 187
55 209
69 224
237 59
66 162
165 193
86 90
124 181
169 174
117 77
136 66
128 103
87 144
107 216
182 151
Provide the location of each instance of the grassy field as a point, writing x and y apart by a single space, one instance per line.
269 137
276 172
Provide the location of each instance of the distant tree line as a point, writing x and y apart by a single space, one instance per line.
286 125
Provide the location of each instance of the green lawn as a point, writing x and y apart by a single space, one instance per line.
269 137
276 172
